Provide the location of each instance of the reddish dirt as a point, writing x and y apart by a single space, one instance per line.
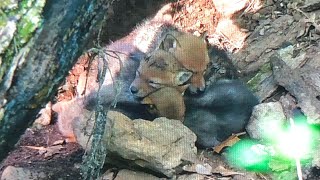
61 163
200 16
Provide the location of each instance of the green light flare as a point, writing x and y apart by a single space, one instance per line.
295 142
272 129
249 155
287 145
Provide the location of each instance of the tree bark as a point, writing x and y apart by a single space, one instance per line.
39 68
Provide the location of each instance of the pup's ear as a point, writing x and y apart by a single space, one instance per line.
204 37
169 43
183 88
182 77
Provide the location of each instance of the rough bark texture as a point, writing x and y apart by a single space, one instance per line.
42 65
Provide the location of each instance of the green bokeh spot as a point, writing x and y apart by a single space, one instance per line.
247 154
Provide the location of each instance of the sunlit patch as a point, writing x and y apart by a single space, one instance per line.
229 30
272 129
295 142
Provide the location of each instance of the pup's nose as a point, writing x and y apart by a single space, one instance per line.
133 90
201 90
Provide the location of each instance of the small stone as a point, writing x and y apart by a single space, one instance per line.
134 175
261 32
191 177
266 119
256 16
45 115
19 173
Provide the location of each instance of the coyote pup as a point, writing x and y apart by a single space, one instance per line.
122 58
180 59
224 108
167 102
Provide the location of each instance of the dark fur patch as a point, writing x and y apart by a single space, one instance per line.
160 64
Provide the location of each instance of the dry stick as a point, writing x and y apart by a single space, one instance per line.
87 74
96 158
98 148
117 88
94 161
297 159
250 7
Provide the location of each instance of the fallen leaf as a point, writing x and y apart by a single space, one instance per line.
52 150
228 142
225 172
59 142
48 151
35 147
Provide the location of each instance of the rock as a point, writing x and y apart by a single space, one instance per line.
316 160
311 5
286 54
258 52
192 177
108 175
288 104
315 152
266 119
134 175
159 145
45 115
19 173
263 83
303 83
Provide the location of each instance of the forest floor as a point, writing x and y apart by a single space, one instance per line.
43 148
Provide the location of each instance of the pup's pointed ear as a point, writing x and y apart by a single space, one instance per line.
183 88
182 77
204 37
169 43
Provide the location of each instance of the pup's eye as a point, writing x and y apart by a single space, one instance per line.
147 58
154 84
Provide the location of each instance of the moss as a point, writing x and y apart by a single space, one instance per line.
3 19
254 82
28 15
30 21
6 4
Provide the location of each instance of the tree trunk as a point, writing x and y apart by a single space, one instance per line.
35 72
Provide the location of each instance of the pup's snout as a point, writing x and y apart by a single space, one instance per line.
201 90
196 90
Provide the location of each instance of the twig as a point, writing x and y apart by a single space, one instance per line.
297 159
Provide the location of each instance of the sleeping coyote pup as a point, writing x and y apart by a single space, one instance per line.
180 59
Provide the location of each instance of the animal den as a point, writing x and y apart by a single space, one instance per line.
185 90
